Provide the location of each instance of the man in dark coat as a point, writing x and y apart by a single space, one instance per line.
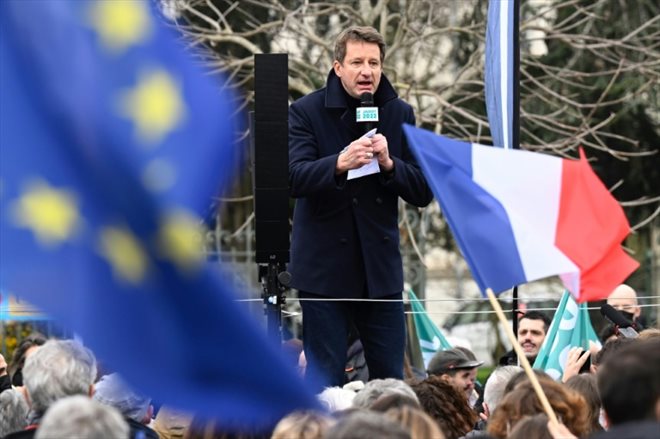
345 242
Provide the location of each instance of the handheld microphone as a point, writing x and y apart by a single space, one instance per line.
624 325
366 115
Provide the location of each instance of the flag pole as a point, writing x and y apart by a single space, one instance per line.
515 125
524 362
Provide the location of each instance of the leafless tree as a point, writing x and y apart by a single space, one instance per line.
584 66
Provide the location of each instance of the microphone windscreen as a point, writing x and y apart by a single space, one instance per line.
367 99
615 316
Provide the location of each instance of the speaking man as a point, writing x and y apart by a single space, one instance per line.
345 241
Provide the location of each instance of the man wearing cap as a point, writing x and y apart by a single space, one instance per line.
455 368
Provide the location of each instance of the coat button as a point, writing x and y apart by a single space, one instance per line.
379 200
355 201
386 239
343 240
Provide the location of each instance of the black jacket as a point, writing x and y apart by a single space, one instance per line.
345 237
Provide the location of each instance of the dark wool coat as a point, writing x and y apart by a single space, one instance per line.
345 237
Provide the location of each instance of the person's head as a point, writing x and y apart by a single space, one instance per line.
624 300
336 398
522 401
113 391
419 424
585 384
446 405
359 55
81 416
303 425
532 328
470 355
394 400
366 425
494 388
13 412
535 426
374 389
521 377
23 350
58 369
649 333
629 383
455 368
610 350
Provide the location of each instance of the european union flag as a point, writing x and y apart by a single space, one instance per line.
112 144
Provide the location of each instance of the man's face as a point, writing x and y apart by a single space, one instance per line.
530 336
625 304
361 68
463 380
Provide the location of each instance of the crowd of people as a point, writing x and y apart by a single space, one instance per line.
52 389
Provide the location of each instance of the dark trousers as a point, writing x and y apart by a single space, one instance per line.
326 324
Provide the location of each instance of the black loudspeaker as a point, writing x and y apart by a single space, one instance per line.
269 135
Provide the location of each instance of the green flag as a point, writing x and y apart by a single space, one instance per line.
431 339
570 327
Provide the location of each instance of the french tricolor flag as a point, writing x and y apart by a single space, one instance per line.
519 216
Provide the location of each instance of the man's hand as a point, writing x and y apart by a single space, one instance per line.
574 361
486 414
357 154
382 152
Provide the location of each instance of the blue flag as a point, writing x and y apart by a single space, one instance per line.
431 339
570 327
112 144
499 71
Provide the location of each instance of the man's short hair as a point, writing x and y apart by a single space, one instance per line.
82 417
367 425
629 383
58 369
374 389
538 315
497 381
366 34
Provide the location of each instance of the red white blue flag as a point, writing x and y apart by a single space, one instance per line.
519 216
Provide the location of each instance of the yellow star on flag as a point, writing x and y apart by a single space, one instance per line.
154 105
50 213
120 23
124 253
179 239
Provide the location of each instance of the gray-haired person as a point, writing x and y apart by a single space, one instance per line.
13 412
497 381
82 417
381 387
58 369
